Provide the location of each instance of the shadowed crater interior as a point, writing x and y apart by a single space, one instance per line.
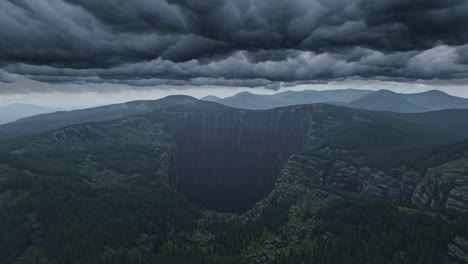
228 161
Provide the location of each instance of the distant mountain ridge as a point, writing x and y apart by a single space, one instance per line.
260 102
437 100
13 112
381 100
385 100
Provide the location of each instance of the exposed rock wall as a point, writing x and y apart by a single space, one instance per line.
345 170
229 160
444 187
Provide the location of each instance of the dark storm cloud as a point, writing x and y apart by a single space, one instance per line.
5 77
232 42
463 54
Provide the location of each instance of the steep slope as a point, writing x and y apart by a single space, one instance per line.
48 122
445 186
221 153
12 112
385 100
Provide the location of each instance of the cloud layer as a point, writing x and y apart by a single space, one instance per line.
232 42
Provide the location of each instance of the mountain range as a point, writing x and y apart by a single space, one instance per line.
29 119
382 100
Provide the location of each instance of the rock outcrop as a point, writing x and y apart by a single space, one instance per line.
445 186
458 251
229 160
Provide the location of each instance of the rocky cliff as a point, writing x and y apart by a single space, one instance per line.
445 186
229 160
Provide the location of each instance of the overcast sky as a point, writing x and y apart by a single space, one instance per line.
75 53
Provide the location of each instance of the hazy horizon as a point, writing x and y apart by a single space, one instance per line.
72 101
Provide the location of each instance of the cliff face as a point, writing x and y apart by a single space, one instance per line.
445 186
229 160
342 170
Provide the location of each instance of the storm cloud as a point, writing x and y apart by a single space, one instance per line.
249 43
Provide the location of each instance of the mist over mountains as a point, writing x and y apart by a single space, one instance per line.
13 112
382 100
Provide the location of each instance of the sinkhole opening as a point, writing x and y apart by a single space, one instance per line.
228 161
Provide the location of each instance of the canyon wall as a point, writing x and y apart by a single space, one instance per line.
229 160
